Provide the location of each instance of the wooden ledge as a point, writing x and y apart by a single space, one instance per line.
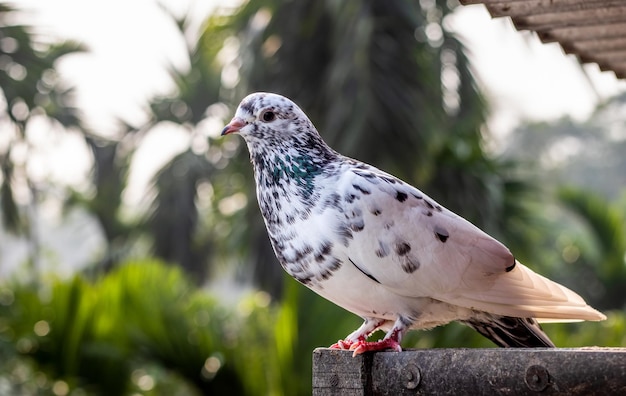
493 371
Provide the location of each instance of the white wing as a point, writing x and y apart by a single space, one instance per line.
416 248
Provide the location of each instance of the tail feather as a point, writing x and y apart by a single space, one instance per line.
511 332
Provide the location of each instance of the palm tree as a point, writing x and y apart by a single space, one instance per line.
174 221
30 89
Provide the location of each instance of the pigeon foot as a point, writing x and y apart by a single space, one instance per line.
346 344
362 346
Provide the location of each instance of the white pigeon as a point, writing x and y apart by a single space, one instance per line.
381 248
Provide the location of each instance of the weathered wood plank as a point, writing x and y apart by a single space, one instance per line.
582 371
546 21
337 373
582 33
535 7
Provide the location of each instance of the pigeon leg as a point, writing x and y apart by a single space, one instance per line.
359 335
391 340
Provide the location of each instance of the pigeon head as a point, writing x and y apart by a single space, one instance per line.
285 148
267 117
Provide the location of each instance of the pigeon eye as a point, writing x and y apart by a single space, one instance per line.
268 116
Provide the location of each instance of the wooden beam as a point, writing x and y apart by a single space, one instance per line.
580 371
555 2
609 44
583 33
552 20
535 7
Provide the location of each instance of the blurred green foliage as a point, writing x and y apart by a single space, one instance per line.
385 82
578 227
143 328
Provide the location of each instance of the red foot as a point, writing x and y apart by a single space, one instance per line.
342 344
362 346
346 344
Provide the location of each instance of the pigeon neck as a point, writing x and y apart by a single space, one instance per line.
292 165
290 169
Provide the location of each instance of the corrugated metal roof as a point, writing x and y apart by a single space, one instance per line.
593 30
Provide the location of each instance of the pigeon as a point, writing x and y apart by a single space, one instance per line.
381 248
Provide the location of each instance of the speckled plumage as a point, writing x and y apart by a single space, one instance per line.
381 248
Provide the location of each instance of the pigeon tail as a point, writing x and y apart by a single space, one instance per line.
510 332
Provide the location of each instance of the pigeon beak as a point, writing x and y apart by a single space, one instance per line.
234 126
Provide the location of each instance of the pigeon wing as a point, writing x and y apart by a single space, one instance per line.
416 248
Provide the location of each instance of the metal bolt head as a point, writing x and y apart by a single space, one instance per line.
412 376
537 378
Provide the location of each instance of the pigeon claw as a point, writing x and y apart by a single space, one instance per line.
360 346
346 344
342 344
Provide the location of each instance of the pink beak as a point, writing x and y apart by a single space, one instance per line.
234 126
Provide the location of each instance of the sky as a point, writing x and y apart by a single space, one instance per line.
132 43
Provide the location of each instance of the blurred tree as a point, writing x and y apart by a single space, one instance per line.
588 154
172 224
111 162
578 230
174 219
29 90
594 253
